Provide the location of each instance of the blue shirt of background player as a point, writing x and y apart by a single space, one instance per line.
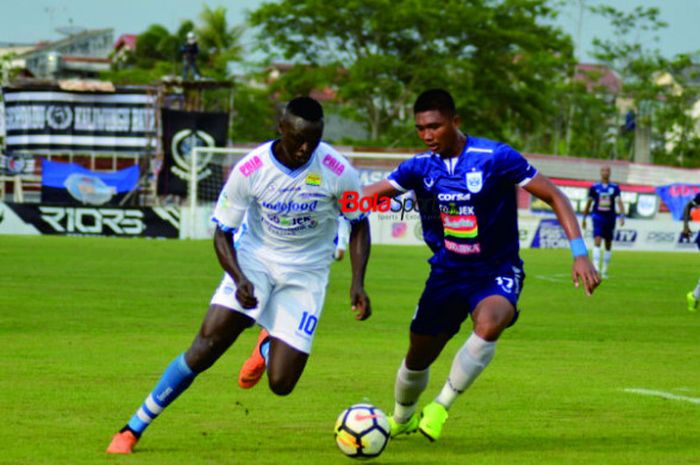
604 197
468 204
696 203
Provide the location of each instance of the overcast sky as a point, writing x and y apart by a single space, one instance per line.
33 20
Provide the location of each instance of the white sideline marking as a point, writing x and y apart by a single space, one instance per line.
554 278
664 394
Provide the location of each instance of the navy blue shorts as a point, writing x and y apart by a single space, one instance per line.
450 296
604 227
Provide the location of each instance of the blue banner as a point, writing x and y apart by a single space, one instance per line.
676 197
68 183
549 235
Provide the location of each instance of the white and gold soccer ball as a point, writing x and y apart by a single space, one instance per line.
362 431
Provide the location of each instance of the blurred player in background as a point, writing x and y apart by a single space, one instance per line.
466 190
693 296
277 275
602 196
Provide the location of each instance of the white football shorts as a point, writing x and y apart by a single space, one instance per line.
290 300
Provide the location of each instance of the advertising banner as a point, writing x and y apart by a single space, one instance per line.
71 184
158 222
676 196
43 121
638 235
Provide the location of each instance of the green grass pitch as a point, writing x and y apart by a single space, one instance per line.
88 324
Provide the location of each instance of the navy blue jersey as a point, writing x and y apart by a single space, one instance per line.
696 200
467 204
604 196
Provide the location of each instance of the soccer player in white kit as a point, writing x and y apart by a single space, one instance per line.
277 274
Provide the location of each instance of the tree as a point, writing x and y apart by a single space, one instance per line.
219 43
498 57
636 63
677 119
254 115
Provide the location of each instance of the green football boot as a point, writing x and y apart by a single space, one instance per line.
432 419
397 429
692 302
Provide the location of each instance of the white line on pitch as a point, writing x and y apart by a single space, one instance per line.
664 394
555 278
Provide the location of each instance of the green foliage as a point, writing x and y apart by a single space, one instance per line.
7 73
674 116
637 63
254 115
497 57
89 324
218 42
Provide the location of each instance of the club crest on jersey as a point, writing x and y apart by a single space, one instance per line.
428 183
313 179
474 182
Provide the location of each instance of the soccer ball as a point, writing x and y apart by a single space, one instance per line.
362 431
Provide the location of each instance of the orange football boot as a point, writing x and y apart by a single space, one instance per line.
122 443
253 368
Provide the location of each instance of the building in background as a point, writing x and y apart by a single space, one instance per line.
79 55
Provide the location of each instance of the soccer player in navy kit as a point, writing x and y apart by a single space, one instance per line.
693 296
466 190
602 196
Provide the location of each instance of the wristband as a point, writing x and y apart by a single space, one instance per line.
578 247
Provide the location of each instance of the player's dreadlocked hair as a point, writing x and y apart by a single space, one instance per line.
435 99
306 108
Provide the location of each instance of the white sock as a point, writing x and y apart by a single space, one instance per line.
409 386
469 362
696 291
606 260
596 258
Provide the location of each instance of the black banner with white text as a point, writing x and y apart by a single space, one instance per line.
81 122
157 222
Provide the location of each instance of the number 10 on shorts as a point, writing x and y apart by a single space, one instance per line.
308 323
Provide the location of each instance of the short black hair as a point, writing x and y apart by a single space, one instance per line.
435 99
306 108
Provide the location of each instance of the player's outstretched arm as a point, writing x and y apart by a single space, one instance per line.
360 245
226 253
582 270
381 188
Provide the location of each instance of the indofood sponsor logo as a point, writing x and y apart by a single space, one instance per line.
291 206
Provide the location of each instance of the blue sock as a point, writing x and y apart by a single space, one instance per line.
265 350
176 378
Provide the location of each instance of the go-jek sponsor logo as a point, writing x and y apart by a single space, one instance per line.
291 206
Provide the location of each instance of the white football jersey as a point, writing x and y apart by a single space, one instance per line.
291 214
